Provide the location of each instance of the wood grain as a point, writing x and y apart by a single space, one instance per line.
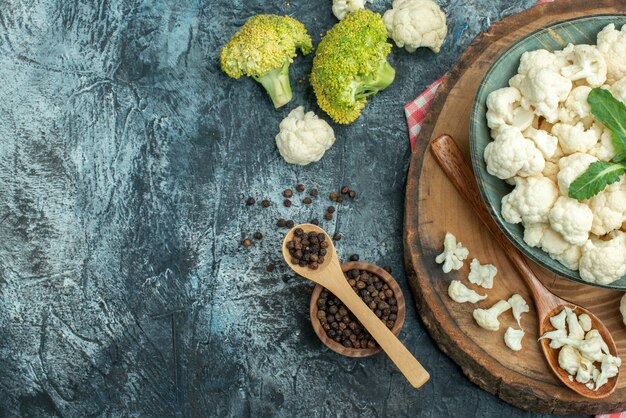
433 207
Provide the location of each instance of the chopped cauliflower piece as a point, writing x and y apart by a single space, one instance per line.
513 338
512 155
558 321
610 368
482 274
569 359
531 200
453 254
585 371
574 138
612 45
542 90
609 208
604 262
503 108
416 23
519 306
571 219
342 7
488 318
587 63
459 293
555 337
576 332
585 322
303 137
571 167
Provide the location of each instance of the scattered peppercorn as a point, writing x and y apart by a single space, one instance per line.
340 324
281 223
314 221
289 224
246 242
287 203
250 201
265 203
307 201
270 267
306 248
354 257
330 209
340 199
387 269
352 194
328 216
345 190
333 196
258 235
313 192
336 236
300 187
287 193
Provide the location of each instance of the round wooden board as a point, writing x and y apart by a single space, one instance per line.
434 207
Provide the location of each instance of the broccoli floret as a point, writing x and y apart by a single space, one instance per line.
351 64
263 49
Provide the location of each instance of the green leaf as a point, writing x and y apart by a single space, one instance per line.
612 113
595 179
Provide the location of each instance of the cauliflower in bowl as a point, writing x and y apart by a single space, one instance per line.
546 136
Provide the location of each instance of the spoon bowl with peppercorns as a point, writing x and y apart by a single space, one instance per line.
310 252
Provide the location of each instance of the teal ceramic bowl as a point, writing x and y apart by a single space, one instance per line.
557 36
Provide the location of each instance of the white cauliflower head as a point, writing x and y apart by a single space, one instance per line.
604 262
482 274
453 254
612 45
513 155
586 63
574 138
531 200
303 138
416 23
542 90
503 108
571 219
571 167
609 208
576 108
342 7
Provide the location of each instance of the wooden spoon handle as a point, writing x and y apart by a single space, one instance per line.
450 158
402 358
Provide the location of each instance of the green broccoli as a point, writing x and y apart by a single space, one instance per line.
351 64
263 49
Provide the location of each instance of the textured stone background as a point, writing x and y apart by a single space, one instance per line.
125 158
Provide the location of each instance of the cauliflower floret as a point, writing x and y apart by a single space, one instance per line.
570 168
416 23
542 89
342 7
551 170
303 138
571 219
609 208
576 108
530 201
574 138
503 108
459 293
587 63
513 338
453 254
604 150
618 89
560 250
510 155
482 274
544 142
610 368
541 58
604 262
612 45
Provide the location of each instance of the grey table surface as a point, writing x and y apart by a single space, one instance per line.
125 158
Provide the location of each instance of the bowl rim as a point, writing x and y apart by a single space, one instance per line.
520 244
350 351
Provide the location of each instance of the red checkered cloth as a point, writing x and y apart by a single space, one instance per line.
417 110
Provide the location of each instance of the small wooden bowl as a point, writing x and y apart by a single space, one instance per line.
358 352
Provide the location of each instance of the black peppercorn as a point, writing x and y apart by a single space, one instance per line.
336 236
307 200
287 203
281 223
246 242
330 209
345 190
339 199
250 201
270 267
352 194
287 193
354 257
300 187
333 196
328 216
257 235
313 192
289 224
265 203
314 221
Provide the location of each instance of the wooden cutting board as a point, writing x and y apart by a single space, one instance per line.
433 207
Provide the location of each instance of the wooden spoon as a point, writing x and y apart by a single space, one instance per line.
450 158
330 276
